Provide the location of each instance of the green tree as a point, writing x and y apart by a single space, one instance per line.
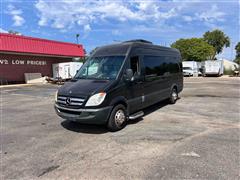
194 49
237 48
217 39
14 32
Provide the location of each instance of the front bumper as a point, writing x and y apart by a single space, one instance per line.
187 74
86 116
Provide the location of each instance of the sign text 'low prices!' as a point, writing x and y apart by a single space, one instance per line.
22 62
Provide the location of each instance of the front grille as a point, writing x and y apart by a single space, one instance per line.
70 101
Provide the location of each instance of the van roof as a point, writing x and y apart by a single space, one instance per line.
122 48
138 40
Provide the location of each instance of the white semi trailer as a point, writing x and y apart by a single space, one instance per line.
213 67
66 70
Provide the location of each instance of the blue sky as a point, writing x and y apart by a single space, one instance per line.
101 22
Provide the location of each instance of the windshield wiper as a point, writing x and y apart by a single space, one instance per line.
83 77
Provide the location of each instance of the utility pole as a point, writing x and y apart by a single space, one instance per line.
77 36
232 46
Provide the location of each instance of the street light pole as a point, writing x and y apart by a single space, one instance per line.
77 36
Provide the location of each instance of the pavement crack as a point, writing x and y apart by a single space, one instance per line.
48 169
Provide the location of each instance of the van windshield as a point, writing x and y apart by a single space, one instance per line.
106 67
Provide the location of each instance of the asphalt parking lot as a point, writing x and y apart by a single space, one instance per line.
197 138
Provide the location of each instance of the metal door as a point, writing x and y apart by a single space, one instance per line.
67 72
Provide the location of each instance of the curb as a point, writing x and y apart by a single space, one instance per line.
17 85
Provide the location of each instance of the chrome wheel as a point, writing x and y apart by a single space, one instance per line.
174 95
119 117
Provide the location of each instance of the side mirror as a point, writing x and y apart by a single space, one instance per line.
129 75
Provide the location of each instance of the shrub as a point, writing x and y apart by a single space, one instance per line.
228 72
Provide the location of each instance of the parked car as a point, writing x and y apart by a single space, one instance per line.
187 71
118 81
190 68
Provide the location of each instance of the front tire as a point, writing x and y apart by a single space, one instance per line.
118 118
173 96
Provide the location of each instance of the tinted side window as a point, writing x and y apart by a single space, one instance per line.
135 65
155 65
173 66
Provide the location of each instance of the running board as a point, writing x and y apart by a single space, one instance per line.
136 115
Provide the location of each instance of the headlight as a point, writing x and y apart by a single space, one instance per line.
56 96
96 99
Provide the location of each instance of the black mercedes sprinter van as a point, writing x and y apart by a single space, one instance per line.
118 81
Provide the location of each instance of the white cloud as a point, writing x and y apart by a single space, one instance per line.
188 18
3 31
208 17
66 14
211 15
16 14
116 32
18 20
87 28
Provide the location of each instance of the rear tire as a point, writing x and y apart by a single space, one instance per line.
118 118
173 96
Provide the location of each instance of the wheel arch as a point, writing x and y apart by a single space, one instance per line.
119 100
174 86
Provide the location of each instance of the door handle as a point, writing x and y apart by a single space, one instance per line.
139 82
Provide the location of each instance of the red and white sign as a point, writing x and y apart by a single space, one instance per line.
22 62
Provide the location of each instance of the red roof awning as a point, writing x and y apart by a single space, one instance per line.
24 44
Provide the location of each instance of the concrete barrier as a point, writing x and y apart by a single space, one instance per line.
32 78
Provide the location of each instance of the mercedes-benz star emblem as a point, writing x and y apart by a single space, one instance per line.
68 101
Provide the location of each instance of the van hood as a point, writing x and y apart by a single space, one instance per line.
83 87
